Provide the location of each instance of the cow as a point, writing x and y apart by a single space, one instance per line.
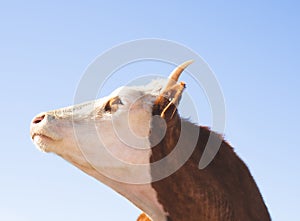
119 138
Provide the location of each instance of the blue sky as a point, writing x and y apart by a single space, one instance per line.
252 47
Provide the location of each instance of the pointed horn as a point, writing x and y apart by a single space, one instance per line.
178 70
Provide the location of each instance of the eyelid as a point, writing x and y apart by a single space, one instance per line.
110 105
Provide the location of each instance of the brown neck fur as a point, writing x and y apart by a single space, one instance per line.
224 190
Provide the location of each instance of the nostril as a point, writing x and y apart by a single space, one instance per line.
38 119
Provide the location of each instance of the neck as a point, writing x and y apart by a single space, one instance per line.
224 190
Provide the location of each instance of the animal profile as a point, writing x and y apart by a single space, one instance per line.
119 138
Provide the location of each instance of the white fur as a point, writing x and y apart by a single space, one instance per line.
112 147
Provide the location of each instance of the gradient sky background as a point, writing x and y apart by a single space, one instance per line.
45 47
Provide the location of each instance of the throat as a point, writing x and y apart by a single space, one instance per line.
143 196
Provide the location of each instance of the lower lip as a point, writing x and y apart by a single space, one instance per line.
42 142
40 137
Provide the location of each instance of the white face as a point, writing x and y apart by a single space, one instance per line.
110 135
109 138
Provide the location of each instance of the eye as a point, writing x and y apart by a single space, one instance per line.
113 104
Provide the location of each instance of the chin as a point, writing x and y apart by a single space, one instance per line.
43 143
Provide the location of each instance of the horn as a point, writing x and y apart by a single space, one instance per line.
172 92
178 70
174 76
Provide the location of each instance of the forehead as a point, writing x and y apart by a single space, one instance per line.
127 92
132 93
153 88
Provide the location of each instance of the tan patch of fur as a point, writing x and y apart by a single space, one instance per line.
143 217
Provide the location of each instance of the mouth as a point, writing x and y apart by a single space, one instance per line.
42 141
38 136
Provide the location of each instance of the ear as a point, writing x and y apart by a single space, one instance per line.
166 103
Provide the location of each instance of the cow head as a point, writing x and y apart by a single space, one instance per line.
109 136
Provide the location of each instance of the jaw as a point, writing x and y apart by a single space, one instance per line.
142 196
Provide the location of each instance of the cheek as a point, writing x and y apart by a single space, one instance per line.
139 120
119 142
77 136
139 123
126 128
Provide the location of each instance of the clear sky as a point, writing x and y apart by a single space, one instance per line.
45 46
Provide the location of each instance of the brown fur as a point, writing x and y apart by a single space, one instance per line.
223 191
